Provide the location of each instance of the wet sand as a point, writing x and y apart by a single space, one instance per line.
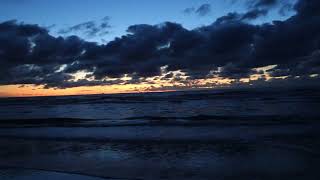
32 174
230 152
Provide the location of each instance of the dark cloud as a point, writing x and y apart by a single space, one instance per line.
264 3
284 6
308 8
12 27
287 7
237 17
29 55
259 3
90 28
235 71
189 10
254 14
202 10
230 47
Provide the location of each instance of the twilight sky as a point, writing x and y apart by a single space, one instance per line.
103 46
60 14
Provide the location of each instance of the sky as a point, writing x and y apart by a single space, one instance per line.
60 14
103 46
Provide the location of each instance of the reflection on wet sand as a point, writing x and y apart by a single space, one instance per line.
269 158
29 174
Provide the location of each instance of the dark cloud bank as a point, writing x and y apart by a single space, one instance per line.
230 47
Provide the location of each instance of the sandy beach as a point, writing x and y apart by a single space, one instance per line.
205 152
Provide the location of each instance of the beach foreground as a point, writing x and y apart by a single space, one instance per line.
287 151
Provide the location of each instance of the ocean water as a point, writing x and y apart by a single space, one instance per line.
218 134
203 105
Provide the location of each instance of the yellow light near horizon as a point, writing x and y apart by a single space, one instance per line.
31 90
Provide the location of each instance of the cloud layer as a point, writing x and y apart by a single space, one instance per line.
230 48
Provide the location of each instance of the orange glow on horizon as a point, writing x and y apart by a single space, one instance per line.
31 90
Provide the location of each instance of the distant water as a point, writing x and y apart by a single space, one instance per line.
193 105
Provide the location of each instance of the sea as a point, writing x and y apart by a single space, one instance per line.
209 134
